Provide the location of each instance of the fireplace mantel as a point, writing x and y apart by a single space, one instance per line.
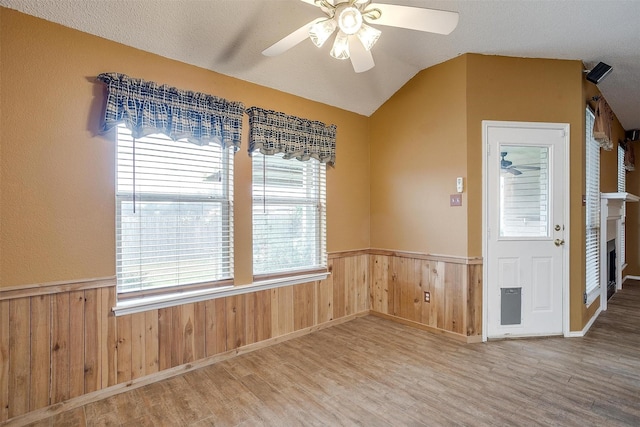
611 217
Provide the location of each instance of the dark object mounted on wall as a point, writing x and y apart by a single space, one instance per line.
599 72
632 135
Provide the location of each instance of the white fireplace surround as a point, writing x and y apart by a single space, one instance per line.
611 217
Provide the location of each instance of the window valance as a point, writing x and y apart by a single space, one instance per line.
602 124
146 108
272 132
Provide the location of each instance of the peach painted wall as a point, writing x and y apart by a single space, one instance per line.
418 148
57 171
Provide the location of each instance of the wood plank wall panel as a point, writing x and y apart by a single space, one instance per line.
151 355
19 350
339 297
55 346
215 327
397 284
92 343
437 294
138 347
474 301
76 343
379 292
325 298
60 348
356 271
4 360
304 301
109 338
40 351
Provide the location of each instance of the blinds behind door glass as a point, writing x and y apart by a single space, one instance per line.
592 155
289 200
178 231
524 192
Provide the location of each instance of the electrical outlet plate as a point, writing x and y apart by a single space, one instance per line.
427 296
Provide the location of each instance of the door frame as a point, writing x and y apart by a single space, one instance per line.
565 180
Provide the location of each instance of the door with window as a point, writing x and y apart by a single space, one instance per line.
525 228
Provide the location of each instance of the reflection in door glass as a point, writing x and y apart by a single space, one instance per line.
524 191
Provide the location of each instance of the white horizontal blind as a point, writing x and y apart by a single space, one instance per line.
622 187
179 229
592 207
289 214
524 195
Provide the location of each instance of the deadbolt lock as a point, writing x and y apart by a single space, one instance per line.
557 227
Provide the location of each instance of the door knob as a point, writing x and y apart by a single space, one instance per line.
559 242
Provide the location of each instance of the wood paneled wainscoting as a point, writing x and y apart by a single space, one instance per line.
399 280
61 345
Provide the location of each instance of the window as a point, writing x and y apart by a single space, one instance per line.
174 214
622 187
524 191
289 215
592 211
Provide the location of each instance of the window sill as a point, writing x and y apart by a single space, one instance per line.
591 297
170 300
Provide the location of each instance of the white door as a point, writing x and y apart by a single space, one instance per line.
525 228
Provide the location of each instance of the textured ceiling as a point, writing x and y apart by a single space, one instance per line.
228 36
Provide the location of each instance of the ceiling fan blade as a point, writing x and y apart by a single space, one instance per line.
361 59
291 40
415 18
512 171
319 4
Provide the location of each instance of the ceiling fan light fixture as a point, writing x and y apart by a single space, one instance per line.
340 49
368 36
321 31
350 20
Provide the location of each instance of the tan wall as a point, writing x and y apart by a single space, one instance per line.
418 148
57 172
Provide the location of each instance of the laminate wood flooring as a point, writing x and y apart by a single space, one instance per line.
375 372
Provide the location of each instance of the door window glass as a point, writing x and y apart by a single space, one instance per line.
524 191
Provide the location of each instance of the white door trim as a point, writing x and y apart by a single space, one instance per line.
486 124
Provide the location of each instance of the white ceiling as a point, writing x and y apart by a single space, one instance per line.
228 36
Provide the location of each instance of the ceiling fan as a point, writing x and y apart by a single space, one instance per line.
507 165
355 37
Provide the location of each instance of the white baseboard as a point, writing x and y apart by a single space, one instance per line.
583 332
630 277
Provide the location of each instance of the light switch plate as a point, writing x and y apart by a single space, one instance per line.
455 200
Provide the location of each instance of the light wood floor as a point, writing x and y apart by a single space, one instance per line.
375 372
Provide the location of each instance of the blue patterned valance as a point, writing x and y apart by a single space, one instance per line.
146 108
271 132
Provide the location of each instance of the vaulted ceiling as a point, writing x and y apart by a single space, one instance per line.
228 36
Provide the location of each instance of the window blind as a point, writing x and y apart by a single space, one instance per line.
622 187
289 214
174 214
592 208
